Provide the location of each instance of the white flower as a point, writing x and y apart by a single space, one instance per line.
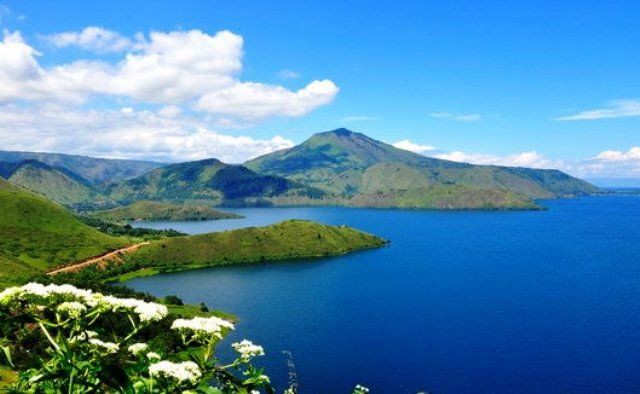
247 350
137 348
186 371
8 294
72 308
360 389
203 325
108 347
147 311
153 356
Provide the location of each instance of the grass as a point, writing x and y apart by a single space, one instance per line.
150 210
292 239
38 234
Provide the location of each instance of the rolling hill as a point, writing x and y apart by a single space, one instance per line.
56 184
291 239
358 170
38 234
208 181
94 170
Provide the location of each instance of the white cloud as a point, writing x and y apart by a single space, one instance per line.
288 74
170 111
413 147
124 133
251 100
91 38
613 109
179 67
457 117
524 159
607 164
632 154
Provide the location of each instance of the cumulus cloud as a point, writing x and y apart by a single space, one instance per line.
125 133
524 159
255 100
613 109
632 154
91 38
178 67
413 147
456 117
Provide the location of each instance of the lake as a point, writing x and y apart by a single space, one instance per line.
459 302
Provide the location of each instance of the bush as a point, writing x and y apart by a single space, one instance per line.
173 300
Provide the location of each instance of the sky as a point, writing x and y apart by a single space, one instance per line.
547 84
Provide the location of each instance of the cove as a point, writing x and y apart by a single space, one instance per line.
482 302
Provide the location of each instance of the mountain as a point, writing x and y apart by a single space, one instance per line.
38 234
56 184
94 170
151 210
207 180
362 171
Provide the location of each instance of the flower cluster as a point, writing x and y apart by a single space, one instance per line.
67 317
73 309
153 356
247 350
137 348
146 311
360 389
186 371
107 347
203 326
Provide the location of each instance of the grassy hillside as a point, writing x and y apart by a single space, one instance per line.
205 180
94 170
353 167
151 210
38 234
58 185
291 239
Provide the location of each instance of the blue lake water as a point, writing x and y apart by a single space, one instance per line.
459 302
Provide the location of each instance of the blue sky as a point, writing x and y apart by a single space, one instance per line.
544 83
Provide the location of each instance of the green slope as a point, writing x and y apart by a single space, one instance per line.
94 170
58 185
38 234
205 180
151 210
293 239
354 167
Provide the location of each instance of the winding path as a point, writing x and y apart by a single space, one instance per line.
97 260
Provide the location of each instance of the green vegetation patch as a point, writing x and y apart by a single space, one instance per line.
41 235
151 210
292 239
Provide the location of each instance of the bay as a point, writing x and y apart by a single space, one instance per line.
459 302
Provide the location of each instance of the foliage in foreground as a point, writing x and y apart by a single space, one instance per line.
83 341
85 348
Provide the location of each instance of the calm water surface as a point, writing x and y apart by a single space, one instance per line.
460 302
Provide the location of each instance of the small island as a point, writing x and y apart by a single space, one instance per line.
161 211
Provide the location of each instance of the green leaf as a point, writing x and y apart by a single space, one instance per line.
7 354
